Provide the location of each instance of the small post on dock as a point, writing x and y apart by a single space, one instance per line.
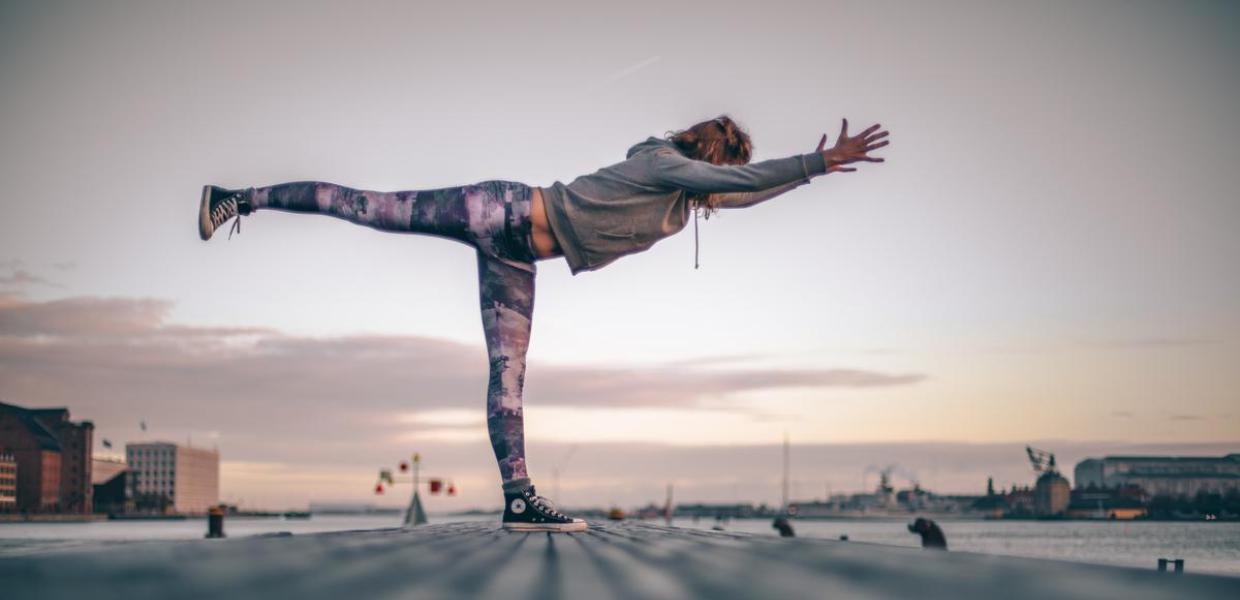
1177 563
215 522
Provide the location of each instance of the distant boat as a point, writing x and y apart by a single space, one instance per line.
294 514
615 514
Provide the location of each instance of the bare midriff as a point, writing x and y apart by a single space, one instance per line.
545 245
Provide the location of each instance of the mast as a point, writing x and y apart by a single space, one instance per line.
784 504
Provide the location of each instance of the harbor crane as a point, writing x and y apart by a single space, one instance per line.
1042 461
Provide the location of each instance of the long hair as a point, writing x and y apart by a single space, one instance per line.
718 141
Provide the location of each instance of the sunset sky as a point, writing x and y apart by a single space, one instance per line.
1048 255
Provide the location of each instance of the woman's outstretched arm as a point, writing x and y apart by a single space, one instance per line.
671 168
846 150
746 199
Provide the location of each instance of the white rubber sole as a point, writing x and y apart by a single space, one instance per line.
205 228
555 527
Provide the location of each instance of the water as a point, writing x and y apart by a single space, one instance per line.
1206 547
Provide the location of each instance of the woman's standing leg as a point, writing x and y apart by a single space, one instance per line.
506 296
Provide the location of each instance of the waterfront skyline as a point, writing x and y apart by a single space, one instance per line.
1046 256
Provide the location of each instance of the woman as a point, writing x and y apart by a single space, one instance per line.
619 209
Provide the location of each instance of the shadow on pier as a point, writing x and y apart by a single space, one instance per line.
626 560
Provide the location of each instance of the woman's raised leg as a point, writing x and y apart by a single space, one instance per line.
493 215
443 211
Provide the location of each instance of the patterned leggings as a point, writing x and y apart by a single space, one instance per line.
493 217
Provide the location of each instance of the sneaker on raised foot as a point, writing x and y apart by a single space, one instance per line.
219 205
525 510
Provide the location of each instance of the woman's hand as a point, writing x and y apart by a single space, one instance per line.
851 149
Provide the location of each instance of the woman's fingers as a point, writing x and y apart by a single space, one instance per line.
875 146
843 130
877 136
822 144
868 130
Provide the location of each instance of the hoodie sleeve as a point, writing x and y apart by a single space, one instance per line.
673 169
745 199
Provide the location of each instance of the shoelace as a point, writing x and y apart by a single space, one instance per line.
546 506
225 209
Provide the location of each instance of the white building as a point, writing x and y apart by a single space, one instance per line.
188 477
1162 475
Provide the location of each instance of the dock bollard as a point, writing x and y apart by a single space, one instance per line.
1179 565
215 522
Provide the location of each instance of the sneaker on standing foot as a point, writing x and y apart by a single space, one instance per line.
525 510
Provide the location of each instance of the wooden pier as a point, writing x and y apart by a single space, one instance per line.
621 561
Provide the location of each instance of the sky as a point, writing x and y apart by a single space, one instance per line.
1047 254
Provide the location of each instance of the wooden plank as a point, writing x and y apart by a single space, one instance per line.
607 562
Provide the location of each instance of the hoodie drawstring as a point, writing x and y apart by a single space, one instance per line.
695 236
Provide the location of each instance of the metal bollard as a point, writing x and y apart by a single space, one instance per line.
215 522
1178 563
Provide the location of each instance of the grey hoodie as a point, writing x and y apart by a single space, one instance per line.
628 206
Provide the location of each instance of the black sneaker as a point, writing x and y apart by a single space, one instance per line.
219 205
527 511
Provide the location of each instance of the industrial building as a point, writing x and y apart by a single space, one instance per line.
1174 476
1051 494
166 477
108 478
52 457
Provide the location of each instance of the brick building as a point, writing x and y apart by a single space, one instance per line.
53 456
8 482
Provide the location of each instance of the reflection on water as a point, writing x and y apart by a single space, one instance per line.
1207 547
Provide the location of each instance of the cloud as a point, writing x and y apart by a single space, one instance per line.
1156 342
662 386
267 393
82 317
22 278
302 419
1185 418
712 360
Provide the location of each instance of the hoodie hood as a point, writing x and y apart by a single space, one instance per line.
654 143
650 143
